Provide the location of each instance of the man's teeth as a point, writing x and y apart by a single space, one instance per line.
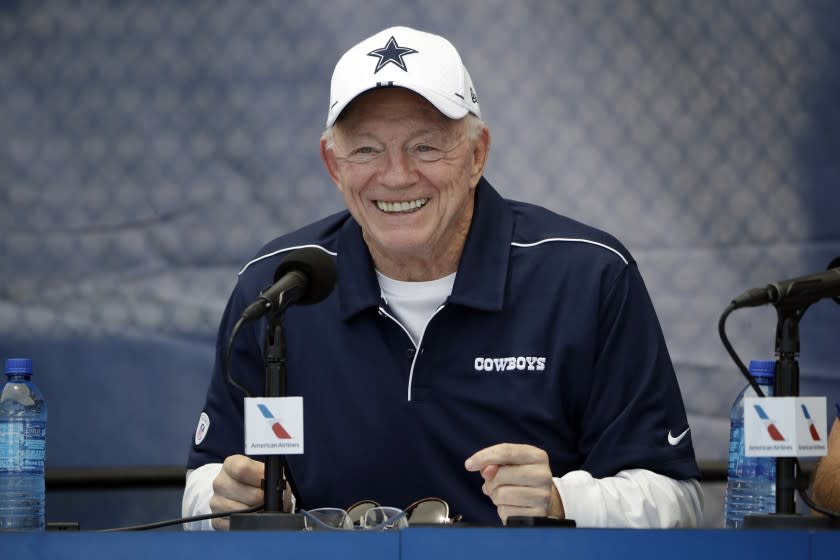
406 206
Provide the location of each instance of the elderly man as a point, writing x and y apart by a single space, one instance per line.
487 352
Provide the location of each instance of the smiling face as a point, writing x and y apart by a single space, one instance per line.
408 175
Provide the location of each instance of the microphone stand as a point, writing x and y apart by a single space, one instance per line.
272 518
786 384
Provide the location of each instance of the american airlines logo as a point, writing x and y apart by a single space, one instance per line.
510 363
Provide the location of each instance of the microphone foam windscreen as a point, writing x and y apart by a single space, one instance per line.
318 267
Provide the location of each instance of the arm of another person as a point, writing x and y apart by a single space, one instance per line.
827 476
518 479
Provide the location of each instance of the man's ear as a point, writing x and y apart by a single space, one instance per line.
480 151
331 163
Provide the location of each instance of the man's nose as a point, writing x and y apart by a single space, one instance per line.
399 169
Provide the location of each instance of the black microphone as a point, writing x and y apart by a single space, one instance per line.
796 292
304 277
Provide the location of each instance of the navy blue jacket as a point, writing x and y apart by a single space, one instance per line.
549 338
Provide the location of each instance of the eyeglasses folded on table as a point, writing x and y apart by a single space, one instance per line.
370 516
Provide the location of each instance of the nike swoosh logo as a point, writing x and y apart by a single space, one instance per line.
675 440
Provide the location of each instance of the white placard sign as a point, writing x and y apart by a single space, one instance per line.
785 426
274 426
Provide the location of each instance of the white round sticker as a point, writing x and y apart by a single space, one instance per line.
202 428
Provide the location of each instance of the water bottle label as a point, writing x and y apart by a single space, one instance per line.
22 446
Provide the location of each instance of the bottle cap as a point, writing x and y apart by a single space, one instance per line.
763 368
17 366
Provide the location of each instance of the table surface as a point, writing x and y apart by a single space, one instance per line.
432 543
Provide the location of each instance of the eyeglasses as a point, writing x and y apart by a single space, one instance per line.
370 516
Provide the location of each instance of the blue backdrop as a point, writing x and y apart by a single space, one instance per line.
149 148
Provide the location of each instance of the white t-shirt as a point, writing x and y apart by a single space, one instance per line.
414 303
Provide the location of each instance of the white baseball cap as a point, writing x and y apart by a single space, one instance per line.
403 57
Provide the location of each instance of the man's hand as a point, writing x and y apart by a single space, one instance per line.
236 487
517 478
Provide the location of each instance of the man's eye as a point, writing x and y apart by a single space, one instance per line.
427 152
363 150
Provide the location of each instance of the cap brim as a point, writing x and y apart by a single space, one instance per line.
441 102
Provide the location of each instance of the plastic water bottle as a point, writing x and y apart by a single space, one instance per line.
751 481
23 430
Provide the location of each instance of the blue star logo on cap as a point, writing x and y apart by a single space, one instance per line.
391 53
